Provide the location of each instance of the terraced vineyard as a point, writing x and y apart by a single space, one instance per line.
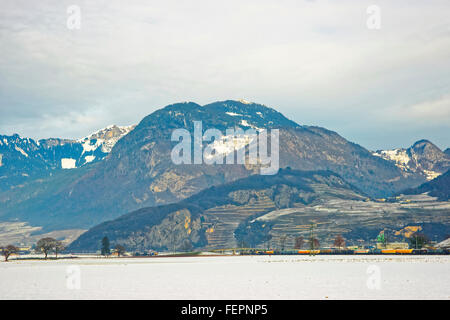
267 210
222 221
356 219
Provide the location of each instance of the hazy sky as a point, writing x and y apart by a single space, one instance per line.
315 61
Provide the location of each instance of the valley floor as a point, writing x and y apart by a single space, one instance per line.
229 277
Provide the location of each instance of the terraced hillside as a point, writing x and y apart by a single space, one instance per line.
359 221
268 210
209 219
223 220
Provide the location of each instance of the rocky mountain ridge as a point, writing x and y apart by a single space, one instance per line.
423 158
21 158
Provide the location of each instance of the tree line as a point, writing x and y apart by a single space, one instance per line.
44 245
50 245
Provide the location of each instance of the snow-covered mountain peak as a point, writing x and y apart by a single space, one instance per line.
422 157
105 138
24 156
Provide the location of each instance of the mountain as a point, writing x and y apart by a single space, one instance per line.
139 171
423 158
259 209
210 217
447 151
438 187
22 159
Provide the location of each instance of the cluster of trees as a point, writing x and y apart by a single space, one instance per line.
299 243
106 250
44 245
313 243
418 241
310 243
48 245
51 245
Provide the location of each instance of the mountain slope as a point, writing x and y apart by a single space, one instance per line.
210 217
262 210
139 172
438 187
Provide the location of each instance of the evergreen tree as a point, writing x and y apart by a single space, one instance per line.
106 251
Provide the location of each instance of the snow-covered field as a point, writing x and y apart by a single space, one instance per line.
229 277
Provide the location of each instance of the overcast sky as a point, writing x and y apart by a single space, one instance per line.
315 61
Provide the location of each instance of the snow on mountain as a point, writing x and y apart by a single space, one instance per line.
399 156
22 157
92 148
21 151
67 163
98 144
229 143
105 138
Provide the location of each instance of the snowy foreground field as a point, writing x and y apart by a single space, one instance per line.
229 277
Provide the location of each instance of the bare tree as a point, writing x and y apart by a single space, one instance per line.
46 245
283 239
314 243
8 251
186 245
418 240
58 246
243 244
137 240
299 242
120 250
339 242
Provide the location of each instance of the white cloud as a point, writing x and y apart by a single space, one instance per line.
315 61
433 111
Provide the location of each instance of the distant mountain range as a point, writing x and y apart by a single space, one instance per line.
22 159
263 210
76 184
